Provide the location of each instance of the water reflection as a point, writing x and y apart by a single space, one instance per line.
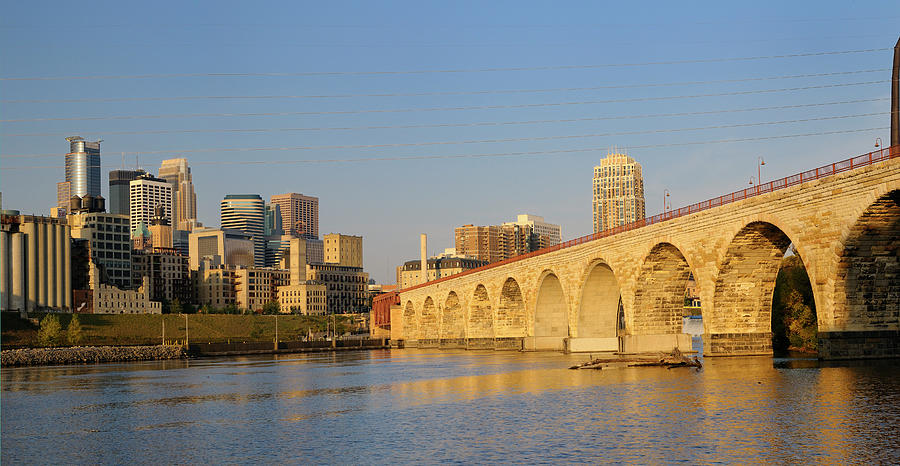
457 406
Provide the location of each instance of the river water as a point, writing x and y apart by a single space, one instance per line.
430 406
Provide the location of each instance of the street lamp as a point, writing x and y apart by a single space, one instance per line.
752 181
878 143
759 163
665 200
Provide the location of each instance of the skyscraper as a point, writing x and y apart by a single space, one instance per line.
618 192
299 214
247 213
177 172
119 189
82 171
145 194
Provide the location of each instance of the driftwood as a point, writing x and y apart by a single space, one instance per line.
670 360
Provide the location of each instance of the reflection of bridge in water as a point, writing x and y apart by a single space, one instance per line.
843 219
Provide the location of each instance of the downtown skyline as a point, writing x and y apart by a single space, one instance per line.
389 202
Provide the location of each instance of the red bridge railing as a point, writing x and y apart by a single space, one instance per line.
810 175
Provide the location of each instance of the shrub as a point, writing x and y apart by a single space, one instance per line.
73 331
49 333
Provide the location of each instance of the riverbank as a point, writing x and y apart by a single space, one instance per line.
98 354
88 355
150 330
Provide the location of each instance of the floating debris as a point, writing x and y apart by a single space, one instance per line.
667 360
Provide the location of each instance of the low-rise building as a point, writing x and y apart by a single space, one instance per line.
226 247
254 287
214 285
168 271
107 299
346 287
346 250
410 273
306 298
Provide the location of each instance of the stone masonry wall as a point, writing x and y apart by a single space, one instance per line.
730 264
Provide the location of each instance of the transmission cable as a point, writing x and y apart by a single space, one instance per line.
475 141
266 114
450 93
463 70
449 125
486 155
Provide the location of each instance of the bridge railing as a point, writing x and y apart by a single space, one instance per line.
775 185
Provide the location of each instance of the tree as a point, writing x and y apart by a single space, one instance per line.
793 308
73 331
49 333
270 308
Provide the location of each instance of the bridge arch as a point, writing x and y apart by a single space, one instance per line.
551 316
659 294
510 321
453 320
598 312
867 285
741 321
429 324
410 323
480 324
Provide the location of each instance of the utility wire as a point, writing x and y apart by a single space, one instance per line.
454 93
209 115
487 155
463 70
275 97
475 141
451 125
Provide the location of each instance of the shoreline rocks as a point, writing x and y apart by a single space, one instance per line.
88 355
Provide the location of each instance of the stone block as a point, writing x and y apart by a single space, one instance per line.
592 345
737 344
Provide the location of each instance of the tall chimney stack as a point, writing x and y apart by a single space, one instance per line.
424 256
895 98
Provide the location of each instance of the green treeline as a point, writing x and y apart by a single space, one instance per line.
794 323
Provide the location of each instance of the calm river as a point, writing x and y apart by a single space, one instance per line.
429 406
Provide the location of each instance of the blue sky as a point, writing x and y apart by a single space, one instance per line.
390 202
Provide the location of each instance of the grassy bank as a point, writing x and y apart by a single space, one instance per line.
100 329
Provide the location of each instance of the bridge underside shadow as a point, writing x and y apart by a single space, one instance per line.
867 289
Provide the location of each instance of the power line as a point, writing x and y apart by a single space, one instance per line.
273 97
258 114
474 141
463 70
498 154
451 93
452 125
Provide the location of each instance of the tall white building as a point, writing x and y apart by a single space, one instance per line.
618 192
552 233
177 172
145 193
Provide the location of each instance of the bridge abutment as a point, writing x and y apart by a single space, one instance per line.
870 344
666 342
591 344
737 344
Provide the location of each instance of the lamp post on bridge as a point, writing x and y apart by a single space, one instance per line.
759 163
878 143
665 201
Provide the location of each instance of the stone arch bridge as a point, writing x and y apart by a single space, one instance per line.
624 289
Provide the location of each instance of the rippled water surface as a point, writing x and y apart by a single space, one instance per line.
429 406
